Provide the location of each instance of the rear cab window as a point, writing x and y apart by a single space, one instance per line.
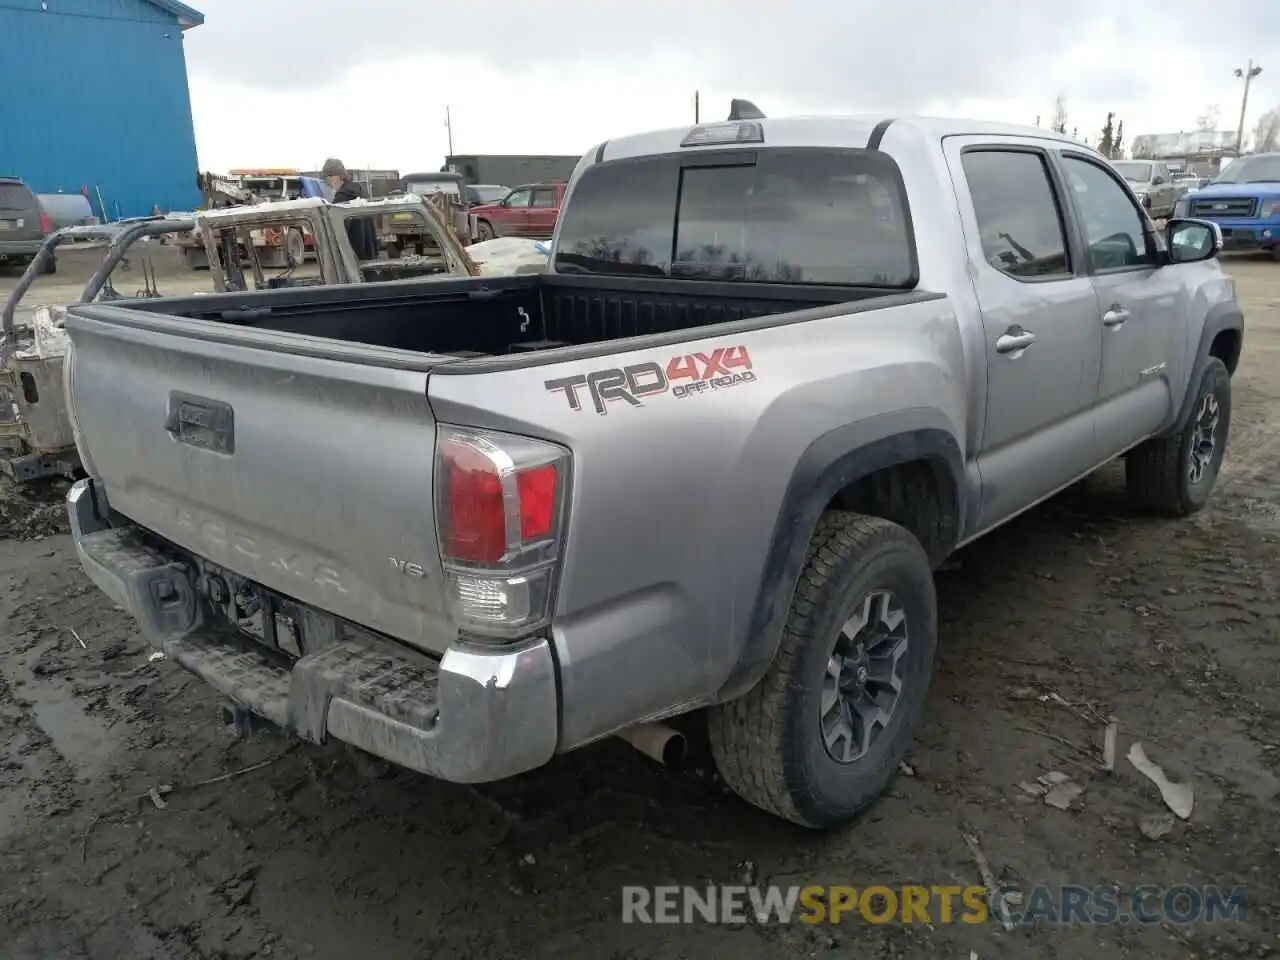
16 196
799 216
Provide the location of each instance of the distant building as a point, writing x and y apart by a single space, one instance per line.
512 170
1197 150
95 100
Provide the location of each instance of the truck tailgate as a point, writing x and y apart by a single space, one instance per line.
298 462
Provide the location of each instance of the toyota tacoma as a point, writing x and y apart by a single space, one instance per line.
776 371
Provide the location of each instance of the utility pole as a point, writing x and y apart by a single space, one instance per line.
448 125
1247 74
697 110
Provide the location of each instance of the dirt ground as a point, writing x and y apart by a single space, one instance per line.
267 848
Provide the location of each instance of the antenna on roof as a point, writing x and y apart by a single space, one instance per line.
744 110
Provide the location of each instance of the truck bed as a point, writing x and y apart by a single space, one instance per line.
485 316
289 437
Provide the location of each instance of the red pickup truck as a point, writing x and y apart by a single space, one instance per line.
528 211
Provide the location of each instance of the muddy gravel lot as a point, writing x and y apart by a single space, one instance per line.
133 825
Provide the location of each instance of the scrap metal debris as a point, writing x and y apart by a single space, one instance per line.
1179 797
77 636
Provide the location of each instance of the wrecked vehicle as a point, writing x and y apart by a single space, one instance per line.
447 193
34 428
36 439
226 234
777 371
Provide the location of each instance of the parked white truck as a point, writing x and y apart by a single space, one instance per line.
777 371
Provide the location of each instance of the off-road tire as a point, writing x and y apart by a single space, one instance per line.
1157 472
768 744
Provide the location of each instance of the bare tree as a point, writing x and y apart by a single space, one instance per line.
1266 136
1059 114
1210 119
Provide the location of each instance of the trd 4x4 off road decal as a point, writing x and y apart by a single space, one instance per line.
687 375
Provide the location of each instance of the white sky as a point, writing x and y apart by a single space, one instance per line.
389 113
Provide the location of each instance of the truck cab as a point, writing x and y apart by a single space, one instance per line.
1244 200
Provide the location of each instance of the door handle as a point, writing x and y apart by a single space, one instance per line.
1015 340
1115 317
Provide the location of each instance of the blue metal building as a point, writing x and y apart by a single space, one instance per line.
93 96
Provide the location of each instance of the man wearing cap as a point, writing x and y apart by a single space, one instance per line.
360 230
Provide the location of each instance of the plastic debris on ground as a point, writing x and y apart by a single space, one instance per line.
1178 797
1056 788
503 256
1156 825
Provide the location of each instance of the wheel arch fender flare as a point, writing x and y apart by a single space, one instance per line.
1220 318
829 464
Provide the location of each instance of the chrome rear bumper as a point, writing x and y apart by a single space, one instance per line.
475 715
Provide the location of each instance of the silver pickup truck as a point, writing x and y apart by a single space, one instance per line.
777 371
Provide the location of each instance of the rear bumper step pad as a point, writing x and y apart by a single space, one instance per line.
478 714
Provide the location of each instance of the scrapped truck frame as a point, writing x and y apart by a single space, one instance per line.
454 209
335 258
277 248
34 424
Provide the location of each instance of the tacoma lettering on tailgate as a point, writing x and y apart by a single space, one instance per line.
687 375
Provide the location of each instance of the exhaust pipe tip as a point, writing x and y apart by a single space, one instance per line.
657 741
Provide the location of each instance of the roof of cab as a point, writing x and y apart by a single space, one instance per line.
847 132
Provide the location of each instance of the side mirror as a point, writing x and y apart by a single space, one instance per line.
1157 181
1191 241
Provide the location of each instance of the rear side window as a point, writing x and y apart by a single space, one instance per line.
1017 212
791 216
15 196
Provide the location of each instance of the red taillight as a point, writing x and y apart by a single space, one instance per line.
478 503
46 225
499 519
475 527
537 501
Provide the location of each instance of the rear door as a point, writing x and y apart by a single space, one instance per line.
543 209
1040 318
1141 305
19 213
